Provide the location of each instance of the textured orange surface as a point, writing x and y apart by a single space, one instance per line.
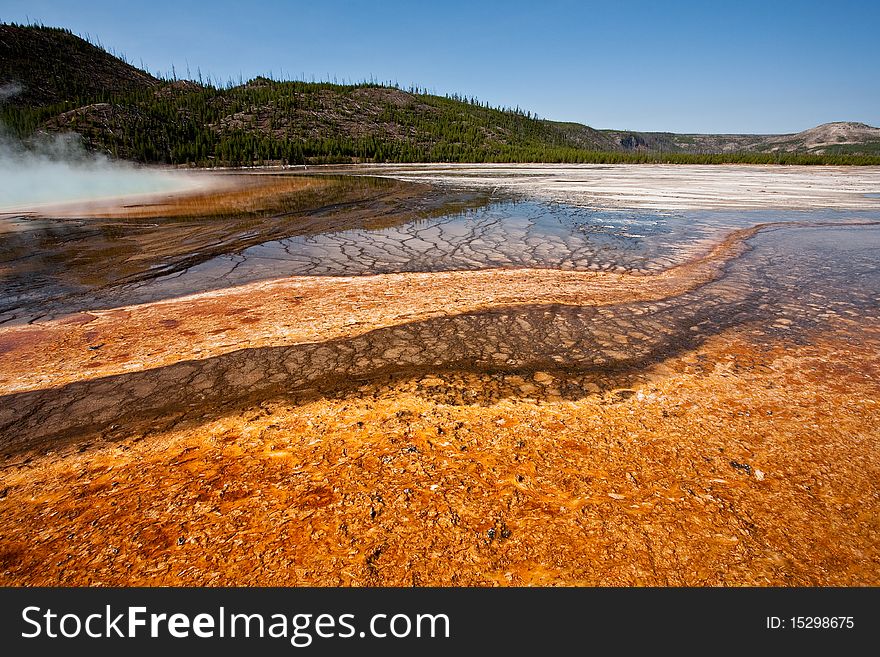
423 481
493 427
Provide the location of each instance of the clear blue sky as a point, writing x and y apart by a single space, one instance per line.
710 66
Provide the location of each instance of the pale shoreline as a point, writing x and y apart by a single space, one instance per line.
656 186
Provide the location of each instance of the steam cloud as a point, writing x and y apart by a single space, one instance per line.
57 169
9 90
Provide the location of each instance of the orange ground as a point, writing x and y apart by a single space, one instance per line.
418 482
745 458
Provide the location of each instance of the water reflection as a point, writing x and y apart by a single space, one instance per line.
50 266
346 226
792 282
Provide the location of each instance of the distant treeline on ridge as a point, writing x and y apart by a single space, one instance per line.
69 84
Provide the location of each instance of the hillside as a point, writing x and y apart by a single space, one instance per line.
838 137
54 81
51 65
826 139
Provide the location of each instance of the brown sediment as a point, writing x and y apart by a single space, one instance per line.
228 195
734 464
309 309
210 194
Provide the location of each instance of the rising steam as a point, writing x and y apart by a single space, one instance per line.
9 90
55 169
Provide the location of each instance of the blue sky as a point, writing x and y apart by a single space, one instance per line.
725 66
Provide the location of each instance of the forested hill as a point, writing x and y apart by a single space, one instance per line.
54 81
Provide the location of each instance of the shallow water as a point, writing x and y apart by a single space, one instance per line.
804 272
790 284
51 267
506 234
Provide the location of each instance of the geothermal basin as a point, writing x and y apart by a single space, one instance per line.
454 375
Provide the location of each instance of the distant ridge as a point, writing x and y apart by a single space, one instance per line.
827 136
54 81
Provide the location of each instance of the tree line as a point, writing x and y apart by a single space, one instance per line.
267 121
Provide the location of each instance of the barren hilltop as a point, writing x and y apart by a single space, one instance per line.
54 81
